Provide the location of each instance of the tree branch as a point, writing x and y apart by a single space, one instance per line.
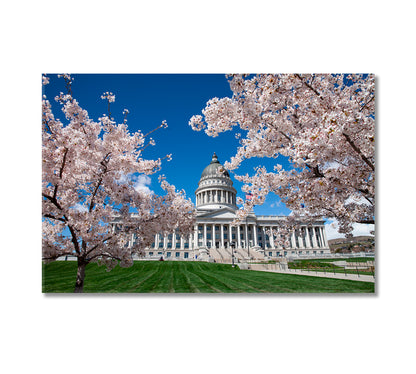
309 86
104 163
356 149
368 102
52 200
55 191
47 215
104 240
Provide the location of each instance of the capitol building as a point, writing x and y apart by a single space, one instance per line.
215 238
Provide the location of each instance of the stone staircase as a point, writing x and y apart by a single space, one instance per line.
241 254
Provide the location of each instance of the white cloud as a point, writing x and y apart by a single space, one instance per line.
141 184
80 207
359 229
276 204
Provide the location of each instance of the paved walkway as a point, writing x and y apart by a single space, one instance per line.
355 277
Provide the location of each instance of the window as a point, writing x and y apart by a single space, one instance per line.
177 254
270 254
150 253
178 245
169 245
160 244
186 255
168 254
186 245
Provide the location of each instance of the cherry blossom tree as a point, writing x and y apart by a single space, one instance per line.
322 123
90 206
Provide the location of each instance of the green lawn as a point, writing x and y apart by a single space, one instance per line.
189 277
325 265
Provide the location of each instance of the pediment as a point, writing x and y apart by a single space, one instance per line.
226 213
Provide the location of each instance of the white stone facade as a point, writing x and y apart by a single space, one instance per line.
215 237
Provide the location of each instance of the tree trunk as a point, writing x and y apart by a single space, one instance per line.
79 283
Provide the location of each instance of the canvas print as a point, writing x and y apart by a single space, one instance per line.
208 183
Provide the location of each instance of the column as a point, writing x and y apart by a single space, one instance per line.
204 240
318 238
292 240
222 235
308 242
195 236
300 238
255 235
314 243
165 241
318 232
324 236
156 241
182 243
264 237
271 238
238 236
230 235
213 235
246 235
174 240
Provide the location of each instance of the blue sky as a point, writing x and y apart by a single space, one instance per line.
152 98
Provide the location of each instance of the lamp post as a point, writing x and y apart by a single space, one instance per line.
232 254
248 241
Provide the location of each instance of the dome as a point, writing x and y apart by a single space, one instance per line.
212 169
215 188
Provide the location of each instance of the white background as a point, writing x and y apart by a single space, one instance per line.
205 334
